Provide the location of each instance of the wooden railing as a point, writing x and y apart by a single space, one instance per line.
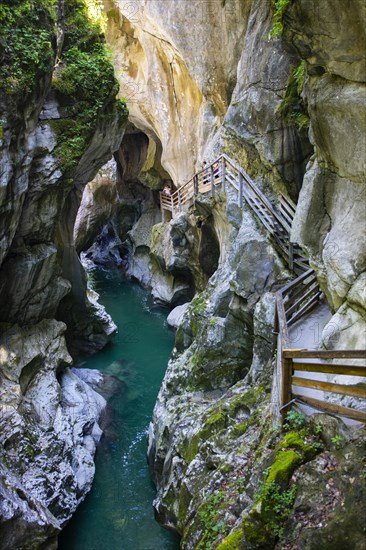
293 301
302 361
225 172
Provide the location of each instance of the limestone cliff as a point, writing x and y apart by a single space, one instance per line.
330 218
271 103
59 122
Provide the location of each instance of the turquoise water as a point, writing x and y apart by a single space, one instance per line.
118 513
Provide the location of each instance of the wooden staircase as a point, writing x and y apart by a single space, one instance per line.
293 301
225 173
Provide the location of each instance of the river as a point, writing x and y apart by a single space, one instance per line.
118 513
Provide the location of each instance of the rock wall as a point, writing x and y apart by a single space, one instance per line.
49 432
56 131
330 218
200 78
215 90
176 63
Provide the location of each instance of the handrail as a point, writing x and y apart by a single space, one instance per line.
254 188
293 301
219 172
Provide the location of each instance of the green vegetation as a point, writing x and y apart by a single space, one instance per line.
27 39
278 503
232 541
274 502
197 306
84 82
292 107
337 441
209 514
280 7
294 420
83 78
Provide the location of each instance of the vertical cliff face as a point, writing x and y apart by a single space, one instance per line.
272 103
176 63
200 78
330 218
54 140
59 122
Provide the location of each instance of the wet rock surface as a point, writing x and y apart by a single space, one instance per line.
49 432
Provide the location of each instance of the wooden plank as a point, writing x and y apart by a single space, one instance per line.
302 265
301 298
332 407
290 256
283 330
296 281
300 289
286 209
351 370
231 178
290 203
223 173
286 215
304 309
286 386
325 354
329 387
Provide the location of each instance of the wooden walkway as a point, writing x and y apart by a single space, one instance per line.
293 301
224 173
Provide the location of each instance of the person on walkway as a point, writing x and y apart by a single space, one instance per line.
206 173
167 191
216 169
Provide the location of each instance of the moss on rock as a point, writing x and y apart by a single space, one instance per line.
84 83
232 541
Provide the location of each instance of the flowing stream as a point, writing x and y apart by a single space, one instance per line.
118 513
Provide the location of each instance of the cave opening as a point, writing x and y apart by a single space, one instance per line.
209 253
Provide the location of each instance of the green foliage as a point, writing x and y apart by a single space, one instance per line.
197 306
232 541
299 76
318 429
337 441
27 35
278 503
294 420
280 7
88 77
209 514
84 82
82 31
292 108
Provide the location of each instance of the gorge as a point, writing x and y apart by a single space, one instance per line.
103 104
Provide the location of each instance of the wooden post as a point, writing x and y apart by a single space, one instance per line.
291 256
179 202
195 183
212 181
287 368
240 196
223 173
275 330
161 207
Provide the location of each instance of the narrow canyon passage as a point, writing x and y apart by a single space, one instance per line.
118 512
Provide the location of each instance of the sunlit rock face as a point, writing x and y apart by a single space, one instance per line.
271 151
176 62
